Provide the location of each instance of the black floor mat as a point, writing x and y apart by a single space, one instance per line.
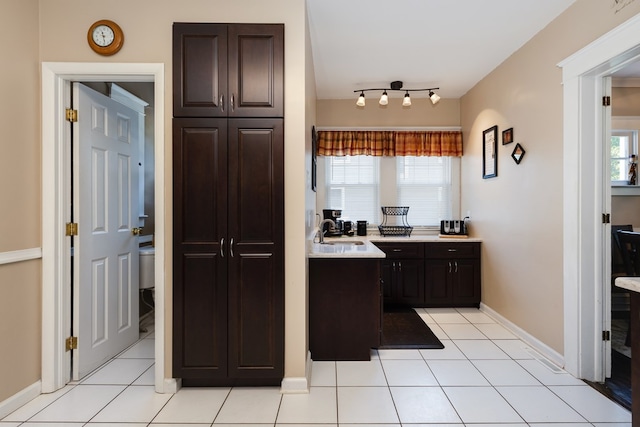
404 329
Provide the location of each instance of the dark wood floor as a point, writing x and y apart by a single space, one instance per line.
618 387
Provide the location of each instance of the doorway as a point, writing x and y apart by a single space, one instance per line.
585 240
56 80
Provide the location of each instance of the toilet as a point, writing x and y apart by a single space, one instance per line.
147 266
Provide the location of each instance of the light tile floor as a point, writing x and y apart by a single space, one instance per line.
485 376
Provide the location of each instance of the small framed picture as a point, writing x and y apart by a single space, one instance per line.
507 136
518 153
489 152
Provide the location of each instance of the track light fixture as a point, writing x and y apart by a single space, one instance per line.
406 102
397 85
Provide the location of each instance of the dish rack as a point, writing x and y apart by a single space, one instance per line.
395 230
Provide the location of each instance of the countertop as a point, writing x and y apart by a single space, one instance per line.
368 249
629 283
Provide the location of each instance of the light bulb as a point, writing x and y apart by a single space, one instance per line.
406 102
360 102
384 99
434 97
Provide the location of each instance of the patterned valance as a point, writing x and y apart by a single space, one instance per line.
389 143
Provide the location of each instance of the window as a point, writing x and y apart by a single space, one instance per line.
424 184
359 185
352 186
624 143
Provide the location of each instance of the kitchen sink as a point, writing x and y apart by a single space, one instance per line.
349 243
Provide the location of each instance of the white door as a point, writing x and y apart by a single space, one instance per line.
105 206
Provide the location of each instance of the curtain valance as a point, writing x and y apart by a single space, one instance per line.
389 143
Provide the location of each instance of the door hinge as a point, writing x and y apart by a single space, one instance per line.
71 229
71 343
71 115
606 218
606 101
606 335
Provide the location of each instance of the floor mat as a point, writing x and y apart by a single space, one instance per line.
403 328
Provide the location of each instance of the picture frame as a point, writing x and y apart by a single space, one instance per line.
518 153
490 152
314 158
507 136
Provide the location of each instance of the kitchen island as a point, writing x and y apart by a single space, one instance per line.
633 284
345 300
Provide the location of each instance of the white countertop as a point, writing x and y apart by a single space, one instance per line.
629 283
369 249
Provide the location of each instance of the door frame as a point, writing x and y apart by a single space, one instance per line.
56 304
584 270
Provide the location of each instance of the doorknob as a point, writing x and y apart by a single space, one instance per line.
136 231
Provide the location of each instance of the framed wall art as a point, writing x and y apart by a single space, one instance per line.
490 152
314 158
518 153
507 136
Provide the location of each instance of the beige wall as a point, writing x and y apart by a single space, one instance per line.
345 113
19 195
63 25
519 213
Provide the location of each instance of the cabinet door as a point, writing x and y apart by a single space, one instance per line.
256 248
199 70
409 282
438 293
466 282
387 274
199 265
256 70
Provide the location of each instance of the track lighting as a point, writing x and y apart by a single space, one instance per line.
434 97
406 102
397 85
384 99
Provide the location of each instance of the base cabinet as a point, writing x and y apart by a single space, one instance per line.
438 274
403 273
345 308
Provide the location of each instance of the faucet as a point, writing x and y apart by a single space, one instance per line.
321 226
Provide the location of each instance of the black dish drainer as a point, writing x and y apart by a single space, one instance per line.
403 229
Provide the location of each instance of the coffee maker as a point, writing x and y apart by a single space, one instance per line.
332 214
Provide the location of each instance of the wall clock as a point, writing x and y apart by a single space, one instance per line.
105 37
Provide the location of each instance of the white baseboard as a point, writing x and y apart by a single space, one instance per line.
170 386
298 385
546 351
19 399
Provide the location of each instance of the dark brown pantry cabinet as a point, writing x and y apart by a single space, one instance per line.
228 238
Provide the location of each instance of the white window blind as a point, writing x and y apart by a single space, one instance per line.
352 186
623 144
424 184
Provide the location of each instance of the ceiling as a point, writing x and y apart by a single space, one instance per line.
359 44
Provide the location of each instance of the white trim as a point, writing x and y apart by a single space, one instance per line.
55 307
19 399
546 351
583 257
298 385
20 255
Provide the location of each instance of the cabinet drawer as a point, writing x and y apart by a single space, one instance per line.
452 250
395 250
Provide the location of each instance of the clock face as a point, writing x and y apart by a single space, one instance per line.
103 35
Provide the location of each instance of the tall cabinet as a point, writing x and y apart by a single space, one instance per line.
228 198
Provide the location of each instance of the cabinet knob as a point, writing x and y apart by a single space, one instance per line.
452 250
222 247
